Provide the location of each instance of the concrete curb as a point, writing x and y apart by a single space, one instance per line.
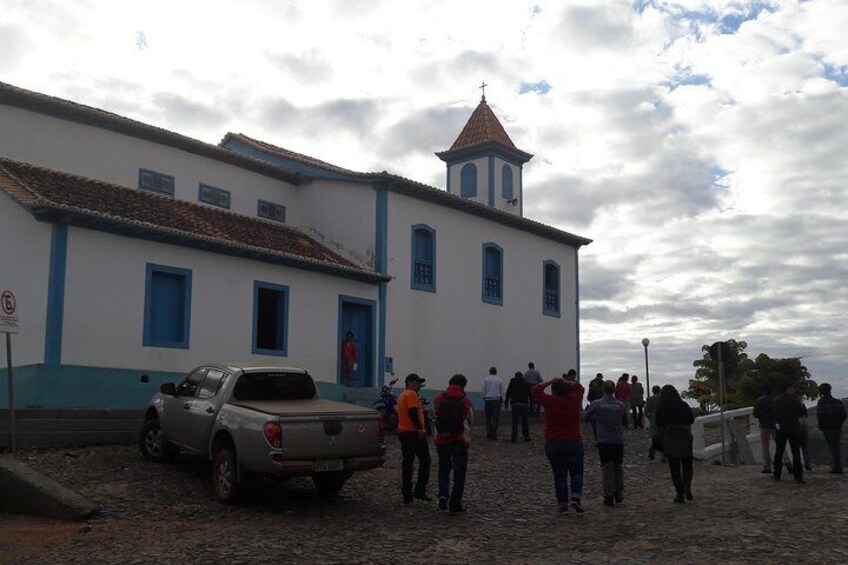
25 491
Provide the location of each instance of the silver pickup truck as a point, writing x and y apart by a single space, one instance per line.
261 421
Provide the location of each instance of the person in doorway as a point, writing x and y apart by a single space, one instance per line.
788 412
563 442
764 413
651 406
413 441
675 418
637 402
831 415
533 377
493 393
350 358
454 416
623 391
607 416
518 393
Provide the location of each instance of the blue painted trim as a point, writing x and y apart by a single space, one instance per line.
465 184
577 311
448 180
343 299
521 191
491 180
381 260
413 284
489 300
56 294
217 196
545 310
275 212
148 339
291 165
283 329
154 181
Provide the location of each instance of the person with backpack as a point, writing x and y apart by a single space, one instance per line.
454 416
831 415
518 393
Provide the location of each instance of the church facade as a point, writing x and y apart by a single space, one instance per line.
139 253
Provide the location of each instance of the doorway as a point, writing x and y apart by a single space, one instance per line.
356 315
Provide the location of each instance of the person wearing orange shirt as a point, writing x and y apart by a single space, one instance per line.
413 441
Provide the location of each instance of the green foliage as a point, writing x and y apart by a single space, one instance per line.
745 378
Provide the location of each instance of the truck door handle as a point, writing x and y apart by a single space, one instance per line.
209 409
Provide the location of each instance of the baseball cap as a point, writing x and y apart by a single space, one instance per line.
413 377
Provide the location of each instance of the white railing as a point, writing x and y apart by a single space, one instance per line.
706 434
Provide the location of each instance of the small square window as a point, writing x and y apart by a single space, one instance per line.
151 181
271 211
214 196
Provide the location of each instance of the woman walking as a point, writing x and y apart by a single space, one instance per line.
674 418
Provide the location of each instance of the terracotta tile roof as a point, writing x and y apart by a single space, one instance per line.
60 197
481 127
80 113
285 153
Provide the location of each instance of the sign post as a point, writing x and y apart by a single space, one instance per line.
9 326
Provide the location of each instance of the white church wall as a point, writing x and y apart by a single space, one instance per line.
341 215
453 330
104 309
482 179
24 268
502 203
115 158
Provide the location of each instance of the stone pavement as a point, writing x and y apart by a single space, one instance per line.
166 513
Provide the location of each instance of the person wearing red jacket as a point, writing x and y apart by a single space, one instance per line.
623 392
453 426
563 442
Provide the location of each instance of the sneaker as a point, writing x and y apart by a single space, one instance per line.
575 503
562 510
443 503
608 501
688 494
423 497
678 499
619 497
775 477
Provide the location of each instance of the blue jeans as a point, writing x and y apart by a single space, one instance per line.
493 417
566 457
453 457
832 438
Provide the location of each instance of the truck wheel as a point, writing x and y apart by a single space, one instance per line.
329 483
153 445
225 479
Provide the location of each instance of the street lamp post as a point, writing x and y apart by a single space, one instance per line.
645 342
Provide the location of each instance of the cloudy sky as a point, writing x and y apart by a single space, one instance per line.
701 143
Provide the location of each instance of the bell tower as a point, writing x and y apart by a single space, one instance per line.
484 165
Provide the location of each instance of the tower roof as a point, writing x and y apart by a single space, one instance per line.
483 128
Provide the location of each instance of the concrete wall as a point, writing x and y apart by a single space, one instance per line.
453 330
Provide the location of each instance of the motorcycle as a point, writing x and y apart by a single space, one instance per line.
386 405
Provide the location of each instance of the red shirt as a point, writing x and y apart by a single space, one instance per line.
623 392
349 352
562 413
453 391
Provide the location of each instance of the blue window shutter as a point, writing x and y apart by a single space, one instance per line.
506 182
167 311
468 180
423 258
492 274
551 289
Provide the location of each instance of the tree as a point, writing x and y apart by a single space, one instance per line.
746 379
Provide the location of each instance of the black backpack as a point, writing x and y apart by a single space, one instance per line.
450 420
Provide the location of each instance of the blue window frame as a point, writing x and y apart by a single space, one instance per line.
152 181
214 195
270 319
551 289
468 180
271 211
423 258
506 182
167 307
492 274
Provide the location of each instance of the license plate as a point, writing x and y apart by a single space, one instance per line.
329 465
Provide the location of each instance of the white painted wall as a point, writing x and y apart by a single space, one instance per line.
24 267
101 154
482 179
104 309
453 330
500 202
342 216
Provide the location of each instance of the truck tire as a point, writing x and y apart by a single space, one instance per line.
329 483
225 475
152 444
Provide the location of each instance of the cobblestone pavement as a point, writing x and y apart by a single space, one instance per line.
166 513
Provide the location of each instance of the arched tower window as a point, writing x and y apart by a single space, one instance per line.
468 180
506 182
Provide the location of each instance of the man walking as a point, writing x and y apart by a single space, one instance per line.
764 413
637 401
533 377
607 416
787 413
413 441
492 397
831 415
454 417
518 393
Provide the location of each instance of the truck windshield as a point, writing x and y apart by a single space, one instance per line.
274 386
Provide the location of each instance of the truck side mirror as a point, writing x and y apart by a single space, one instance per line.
169 389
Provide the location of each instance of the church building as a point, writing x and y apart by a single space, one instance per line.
135 253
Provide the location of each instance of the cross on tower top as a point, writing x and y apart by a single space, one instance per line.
483 88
